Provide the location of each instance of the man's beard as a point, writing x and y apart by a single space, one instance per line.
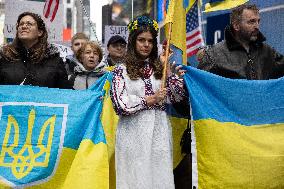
249 36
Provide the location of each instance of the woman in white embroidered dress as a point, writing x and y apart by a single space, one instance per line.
144 137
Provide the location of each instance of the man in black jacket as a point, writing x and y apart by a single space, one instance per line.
243 55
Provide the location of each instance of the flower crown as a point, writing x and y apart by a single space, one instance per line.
142 21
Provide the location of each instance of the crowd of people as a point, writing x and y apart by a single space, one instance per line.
139 93
31 60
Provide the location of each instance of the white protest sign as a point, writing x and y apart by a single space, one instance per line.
63 50
13 8
115 30
119 30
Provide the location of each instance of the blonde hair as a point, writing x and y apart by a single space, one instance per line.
79 36
93 45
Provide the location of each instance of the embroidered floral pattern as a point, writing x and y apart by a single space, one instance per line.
175 88
122 104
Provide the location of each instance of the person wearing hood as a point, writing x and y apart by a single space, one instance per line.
243 54
90 68
30 59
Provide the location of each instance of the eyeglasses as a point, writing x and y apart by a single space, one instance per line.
28 24
116 45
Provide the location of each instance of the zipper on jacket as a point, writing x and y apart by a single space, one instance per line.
250 64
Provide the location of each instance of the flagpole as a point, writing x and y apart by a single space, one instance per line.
132 8
169 20
166 56
90 22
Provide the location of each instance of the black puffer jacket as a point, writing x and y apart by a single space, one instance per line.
229 59
50 72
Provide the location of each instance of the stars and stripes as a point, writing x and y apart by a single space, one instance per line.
50 9
193 31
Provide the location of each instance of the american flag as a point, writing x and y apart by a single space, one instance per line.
193 31
50 9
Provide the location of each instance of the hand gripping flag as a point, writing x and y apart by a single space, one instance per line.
239 129
50 9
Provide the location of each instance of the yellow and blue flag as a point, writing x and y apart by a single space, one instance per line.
239 130
176 14
52 138
217 5
109 121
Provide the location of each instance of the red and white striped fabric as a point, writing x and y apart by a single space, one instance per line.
194 38
50 9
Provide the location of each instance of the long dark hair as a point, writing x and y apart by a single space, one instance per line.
11 52
133 61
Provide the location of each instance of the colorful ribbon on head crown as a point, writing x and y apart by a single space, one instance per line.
143 21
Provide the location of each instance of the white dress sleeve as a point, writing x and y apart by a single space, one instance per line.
124 103
175 88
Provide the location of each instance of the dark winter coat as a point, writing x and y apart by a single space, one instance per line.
49 72
229 59
70 63
109 62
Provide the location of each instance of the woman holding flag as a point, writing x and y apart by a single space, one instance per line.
144 138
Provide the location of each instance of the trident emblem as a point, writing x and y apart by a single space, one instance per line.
26 158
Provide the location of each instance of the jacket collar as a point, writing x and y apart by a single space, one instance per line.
98 71
110 62
51 50
233 44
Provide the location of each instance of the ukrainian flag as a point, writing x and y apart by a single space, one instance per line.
239 130
109 121
217 5
52 138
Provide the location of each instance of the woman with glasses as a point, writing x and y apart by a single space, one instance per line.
30 60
